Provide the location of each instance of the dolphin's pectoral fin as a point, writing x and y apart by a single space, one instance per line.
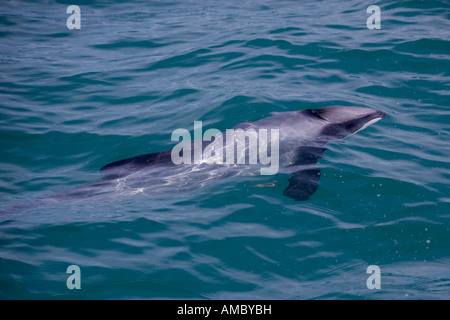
303 184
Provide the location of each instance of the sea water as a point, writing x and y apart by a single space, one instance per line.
75 99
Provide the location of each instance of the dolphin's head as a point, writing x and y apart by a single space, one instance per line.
344 121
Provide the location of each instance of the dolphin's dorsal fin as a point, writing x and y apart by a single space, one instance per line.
139 161
243 125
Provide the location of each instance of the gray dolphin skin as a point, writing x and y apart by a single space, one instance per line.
302 137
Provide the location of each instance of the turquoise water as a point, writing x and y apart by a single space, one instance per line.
72 101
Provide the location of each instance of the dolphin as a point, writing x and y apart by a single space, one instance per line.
302 138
